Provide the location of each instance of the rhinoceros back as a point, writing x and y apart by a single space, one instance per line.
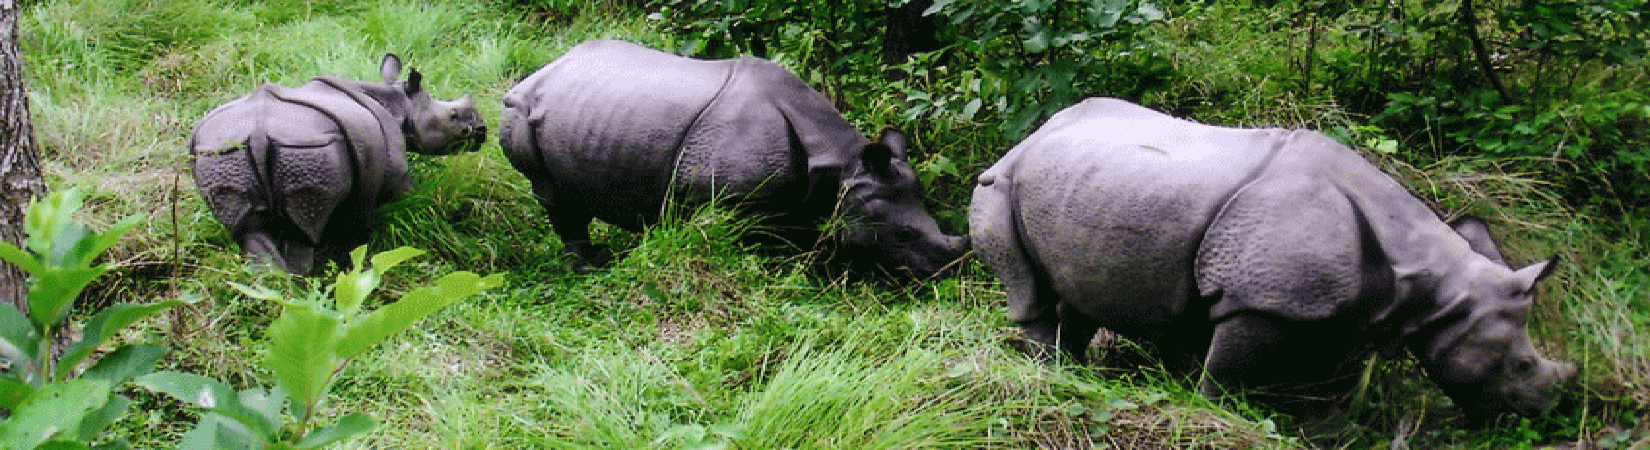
619 128
299 153
229 176
262 154
1113 199
606 119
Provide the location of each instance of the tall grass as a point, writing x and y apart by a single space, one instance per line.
695 338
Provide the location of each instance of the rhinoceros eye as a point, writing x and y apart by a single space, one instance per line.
1523 367
905 234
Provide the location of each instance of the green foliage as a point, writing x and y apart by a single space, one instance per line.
1034 57
1022 60
689 327
310 344
47 399
1549 81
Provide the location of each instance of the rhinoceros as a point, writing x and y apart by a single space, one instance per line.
1279 258
295 174
612 130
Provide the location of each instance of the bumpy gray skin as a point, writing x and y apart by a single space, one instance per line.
611 130
1278 257
295 174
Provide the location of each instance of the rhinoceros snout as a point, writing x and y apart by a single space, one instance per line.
1567 371
951 252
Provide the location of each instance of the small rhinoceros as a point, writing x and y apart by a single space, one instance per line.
1281 257
611 130
296 173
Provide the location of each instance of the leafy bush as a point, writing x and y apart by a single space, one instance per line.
1551 82
47 399
310 343
1023 60
1037 57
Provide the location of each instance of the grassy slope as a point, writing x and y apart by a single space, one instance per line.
692 339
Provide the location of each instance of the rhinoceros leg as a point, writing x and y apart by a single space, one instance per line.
571 221
270 240
1289 365
1032 302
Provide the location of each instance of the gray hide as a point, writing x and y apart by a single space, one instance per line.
611 129
295 173
1280 257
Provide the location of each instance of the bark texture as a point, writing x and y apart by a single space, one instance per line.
19 159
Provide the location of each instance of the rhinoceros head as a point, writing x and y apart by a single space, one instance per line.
886 222
433 127
1481 354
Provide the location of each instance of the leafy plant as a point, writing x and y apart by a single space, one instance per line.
315 337
1036 51
48 400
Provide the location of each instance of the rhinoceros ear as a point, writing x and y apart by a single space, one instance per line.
390 69
877 158
1529 275
1477 234
415 82
895 141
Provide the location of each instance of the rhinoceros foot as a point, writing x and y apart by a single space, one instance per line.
585 257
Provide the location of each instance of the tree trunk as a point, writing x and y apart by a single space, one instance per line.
19 160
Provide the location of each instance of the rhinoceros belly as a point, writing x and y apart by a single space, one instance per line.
1112 211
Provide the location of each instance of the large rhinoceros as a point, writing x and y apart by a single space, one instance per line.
1281 257
295 174
611 130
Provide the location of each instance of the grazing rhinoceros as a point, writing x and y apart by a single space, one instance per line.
296 173
1280 256
611 129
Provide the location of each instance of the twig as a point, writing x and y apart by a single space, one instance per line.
1470 21
177 246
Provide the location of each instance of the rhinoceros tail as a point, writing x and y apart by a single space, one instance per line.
516 135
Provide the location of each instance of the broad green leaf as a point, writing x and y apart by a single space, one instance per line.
216 432
302 352
358 257
12 392
61 444
213 395
108 238
384 261
267 404
19 339
98 420
53 411
125 363
102 327
349 425
1037 42
936 7
392 318
69 245
197 390
117 444
257 292
54 291
22 259
1149 12
47 216
972 108
352 288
